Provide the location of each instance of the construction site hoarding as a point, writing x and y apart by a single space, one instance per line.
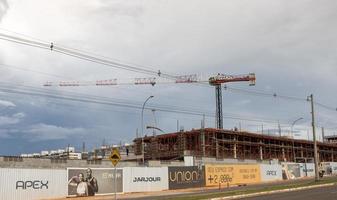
28 184
270 172
330 168
307 169
145 179
185 177
333 167
291 170
101 181
232 174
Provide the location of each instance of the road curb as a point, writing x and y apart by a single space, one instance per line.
272 192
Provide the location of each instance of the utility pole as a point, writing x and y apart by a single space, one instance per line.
311 98
323 136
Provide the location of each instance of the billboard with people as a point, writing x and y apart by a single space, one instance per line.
92 181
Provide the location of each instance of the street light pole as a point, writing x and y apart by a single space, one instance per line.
156 128
311 99
292 135
142 122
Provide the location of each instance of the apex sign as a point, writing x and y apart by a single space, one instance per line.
36 185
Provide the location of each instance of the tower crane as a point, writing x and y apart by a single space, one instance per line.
219 79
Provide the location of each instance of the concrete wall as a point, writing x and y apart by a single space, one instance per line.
189 160
59 164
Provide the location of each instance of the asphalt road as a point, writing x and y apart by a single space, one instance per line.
323 193
164 196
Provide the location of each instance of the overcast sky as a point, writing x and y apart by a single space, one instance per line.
291 46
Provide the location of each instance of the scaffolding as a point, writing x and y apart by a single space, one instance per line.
231 144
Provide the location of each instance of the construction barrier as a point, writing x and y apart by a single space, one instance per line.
270 172
232 174
330 168
185 177
291 170
307 169
23 184
101 181
145 179
53 183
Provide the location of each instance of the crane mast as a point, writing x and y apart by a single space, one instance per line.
219 79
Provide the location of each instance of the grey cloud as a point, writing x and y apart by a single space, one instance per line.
6 103
3 8
4 134
9 120
41 132
289 45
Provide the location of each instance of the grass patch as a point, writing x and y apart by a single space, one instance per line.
250 191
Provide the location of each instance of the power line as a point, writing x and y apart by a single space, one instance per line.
89 99
83 56
89 57
108 62
276 95
47 44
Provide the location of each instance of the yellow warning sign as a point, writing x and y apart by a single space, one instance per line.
115 157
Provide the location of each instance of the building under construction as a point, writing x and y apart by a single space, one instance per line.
231 144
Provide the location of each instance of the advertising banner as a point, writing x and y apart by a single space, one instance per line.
27 184
291 170
307 169
219 174
333 167
232 174
330 168
185 177
93 181
294 170
271 172
245 174
143 179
